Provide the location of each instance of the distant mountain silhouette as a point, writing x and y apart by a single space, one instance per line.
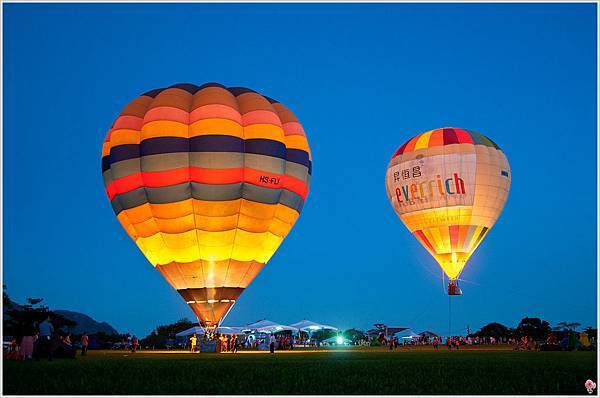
86 323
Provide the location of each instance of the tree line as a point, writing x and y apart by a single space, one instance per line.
537 328
22 320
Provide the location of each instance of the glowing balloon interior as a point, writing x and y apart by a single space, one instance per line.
207 181
448 186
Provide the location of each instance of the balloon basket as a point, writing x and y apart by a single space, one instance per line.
453 289
208 346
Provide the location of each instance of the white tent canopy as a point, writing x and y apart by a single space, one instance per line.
229 330
407 334
200 331
267 326
310 326
193 330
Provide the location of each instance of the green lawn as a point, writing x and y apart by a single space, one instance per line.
349 372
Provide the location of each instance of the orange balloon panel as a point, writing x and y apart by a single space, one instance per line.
448 186
207 181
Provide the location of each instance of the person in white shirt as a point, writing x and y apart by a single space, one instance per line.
272 343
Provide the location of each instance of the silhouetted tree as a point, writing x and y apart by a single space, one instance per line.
5 299
495 330
323 334
172 329
105 340
22 320
34 301
354 335
162 333
534 327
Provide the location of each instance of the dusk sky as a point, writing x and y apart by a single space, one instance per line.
362 79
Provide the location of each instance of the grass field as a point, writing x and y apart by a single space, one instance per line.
367 371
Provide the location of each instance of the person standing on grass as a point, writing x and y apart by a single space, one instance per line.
236 343
523 343
44 342
134 343
27 344
193 341
85 340
272 343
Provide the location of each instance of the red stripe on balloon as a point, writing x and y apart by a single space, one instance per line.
400 150
463 136
450 137
293 128
421 236
454 237
125 122
217 111
167 113
157 179
260 117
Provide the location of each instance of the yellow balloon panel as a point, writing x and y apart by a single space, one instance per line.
215 224
158 128
236 244
213 126
170 210
262 131
452 263
421 219
218 209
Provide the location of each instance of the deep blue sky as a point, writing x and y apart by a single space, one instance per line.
362 79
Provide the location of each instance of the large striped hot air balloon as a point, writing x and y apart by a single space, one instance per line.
207 180
448 186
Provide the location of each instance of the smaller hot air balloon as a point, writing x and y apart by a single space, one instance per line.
448 186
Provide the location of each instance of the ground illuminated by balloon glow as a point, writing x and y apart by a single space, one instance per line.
348 371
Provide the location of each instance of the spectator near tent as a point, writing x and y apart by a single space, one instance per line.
387 331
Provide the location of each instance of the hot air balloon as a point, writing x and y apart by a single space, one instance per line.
448 186
208 181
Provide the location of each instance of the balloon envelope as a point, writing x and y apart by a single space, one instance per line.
448 186
207 181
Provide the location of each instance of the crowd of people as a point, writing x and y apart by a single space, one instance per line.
228 343
45 342
129 342
232 343
568 341
454 341
272 342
